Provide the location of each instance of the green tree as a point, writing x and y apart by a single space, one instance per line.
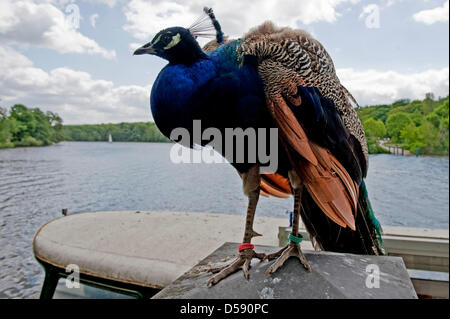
122 132
56 122
428 103
433 119
442 110
374 128
4 126
411 137
29 127
414 124
5 131
25 122
443 136
42 130
395 123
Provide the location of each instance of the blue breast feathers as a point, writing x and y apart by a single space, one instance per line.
225 84
174 89
176 83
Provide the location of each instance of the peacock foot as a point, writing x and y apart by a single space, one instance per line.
291 250
241 262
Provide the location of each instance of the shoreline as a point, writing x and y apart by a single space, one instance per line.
407 153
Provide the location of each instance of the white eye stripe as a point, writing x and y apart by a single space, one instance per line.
175 39
157 39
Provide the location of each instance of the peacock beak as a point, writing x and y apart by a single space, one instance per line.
145 49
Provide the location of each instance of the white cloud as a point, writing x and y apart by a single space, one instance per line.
40 23
439 14
62 3
74 95
377 87
390 3
93 19
109 3
146 17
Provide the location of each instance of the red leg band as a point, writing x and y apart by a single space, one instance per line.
245 246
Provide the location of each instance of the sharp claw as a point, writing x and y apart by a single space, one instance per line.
284 254
242 262
307 266
270 270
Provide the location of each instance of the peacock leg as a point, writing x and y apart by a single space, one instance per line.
293 249
251 181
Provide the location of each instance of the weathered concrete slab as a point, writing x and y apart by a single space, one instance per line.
333 276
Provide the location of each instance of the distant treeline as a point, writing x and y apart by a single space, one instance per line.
21 126
123 132
418 126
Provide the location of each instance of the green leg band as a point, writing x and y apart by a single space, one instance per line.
295 239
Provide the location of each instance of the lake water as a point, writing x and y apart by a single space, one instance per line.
36 183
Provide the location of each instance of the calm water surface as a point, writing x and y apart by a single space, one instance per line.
36 183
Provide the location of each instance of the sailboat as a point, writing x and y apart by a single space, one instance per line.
110 138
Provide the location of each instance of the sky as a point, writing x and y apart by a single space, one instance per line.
74 57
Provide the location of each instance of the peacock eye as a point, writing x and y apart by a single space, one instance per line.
173 41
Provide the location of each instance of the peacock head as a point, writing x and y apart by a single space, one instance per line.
176 45
179 45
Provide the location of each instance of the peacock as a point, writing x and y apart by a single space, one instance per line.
274 78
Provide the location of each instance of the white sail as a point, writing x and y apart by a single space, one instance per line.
110 138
